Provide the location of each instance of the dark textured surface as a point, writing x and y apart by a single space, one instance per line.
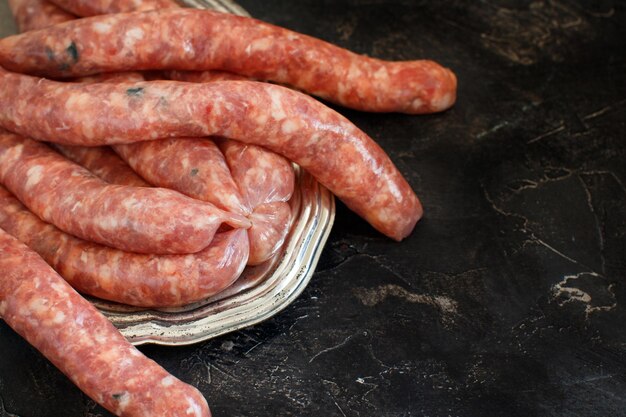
507 300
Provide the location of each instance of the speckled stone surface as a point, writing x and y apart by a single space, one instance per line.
509 297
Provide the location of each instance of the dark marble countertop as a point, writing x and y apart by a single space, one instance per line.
509 297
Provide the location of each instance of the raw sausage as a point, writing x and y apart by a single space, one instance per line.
220 41
270 226
192 166
83 344
137 219
266 181
37 14
197 168
262 176
95 7
333 150
103 163
126 277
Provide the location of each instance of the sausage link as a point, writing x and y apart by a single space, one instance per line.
137 219
266 181
86 8
37 14
220 41
333 150
192 166
83 344
252 177
262 176
270 227
126 277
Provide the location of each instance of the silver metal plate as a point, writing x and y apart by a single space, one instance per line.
261 291
226 6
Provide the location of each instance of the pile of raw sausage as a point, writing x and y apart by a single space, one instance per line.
146 158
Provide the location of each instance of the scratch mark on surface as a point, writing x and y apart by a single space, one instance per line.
597 221
598 113
549 133
532 237
609 393
604 110
335 401
547 246
525 36
252 348
591 379
363 381
492 130
619 181
208 374
527 184
607 14
330 349
501 211
545 179
297 320
224 373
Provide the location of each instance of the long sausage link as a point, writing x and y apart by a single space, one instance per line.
83 344
220 41
333 150
137 219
